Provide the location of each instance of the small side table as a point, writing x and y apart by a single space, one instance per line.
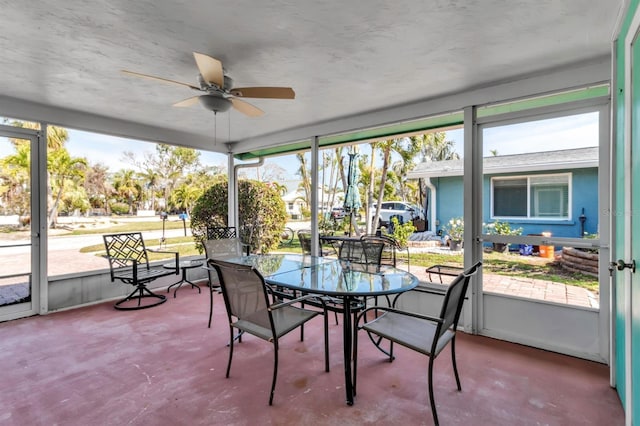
184 266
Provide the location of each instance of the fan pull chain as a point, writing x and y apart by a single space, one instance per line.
215 129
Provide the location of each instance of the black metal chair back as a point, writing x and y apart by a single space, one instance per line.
352 250
388 255
373 251
305 241
129 263
363 251
125 250
221 232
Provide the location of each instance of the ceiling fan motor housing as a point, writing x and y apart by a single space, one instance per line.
215 103
204 85
228 82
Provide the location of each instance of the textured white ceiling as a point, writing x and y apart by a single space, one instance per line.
342 57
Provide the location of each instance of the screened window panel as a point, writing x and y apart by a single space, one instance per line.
550 196
510 197
543 197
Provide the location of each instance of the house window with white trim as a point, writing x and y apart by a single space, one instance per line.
531 197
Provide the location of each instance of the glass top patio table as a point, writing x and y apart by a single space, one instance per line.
340 278
331 277
327 276
271 264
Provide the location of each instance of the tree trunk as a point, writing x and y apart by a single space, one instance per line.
372 177
383 180
53 213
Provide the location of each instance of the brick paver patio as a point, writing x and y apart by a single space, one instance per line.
527 287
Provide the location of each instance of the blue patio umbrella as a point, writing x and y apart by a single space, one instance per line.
352 201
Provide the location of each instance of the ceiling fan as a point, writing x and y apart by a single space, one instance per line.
218 92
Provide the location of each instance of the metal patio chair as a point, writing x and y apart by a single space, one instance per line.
426 334
365 256
221 249
129 262
221 232
390 251
249 309
304 236
362 251
388 256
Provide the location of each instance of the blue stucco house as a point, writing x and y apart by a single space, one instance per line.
551 191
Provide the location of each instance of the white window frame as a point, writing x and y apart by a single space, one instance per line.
569 176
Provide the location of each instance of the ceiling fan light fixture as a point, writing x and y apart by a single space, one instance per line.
215 103
219 93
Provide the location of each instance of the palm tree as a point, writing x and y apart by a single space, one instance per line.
406 148
62 169
14 179
97 186
56 139
126 186
184 196
371 187
436 147
305 178
282 189
152 180
400 170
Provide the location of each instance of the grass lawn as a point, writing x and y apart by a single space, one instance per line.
120 226
513 265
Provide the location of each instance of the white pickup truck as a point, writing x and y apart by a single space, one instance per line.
406 211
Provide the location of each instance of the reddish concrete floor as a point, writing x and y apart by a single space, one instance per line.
163 366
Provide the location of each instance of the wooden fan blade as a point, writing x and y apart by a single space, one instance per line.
264 92
246 108
210 68
164 80
187 102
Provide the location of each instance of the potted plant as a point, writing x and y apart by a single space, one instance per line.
455 230
502 228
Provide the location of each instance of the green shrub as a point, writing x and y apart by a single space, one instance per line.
262 214
119 208
402 232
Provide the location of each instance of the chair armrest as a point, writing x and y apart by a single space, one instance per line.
162 251
134 267
175 253
297 300
277 292
401 312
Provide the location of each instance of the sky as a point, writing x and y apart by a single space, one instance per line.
552 134
110 150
